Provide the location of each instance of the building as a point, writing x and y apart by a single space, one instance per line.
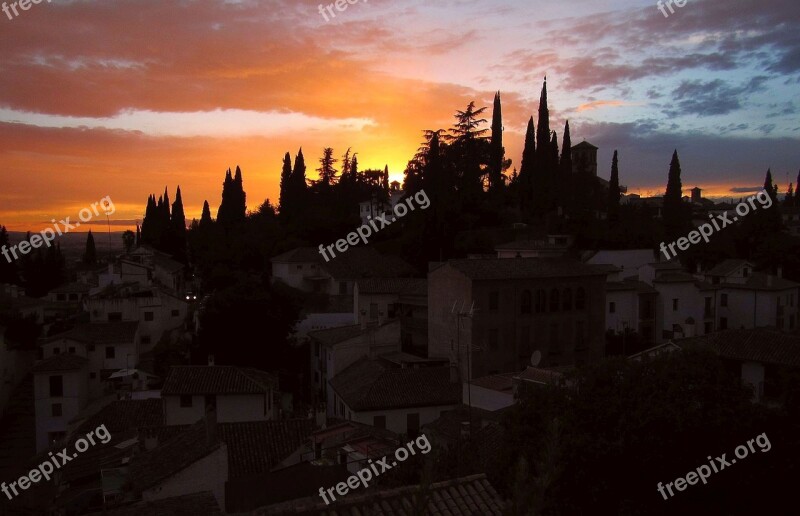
587 153
412 305
554 246
377 299
237 394
335 349
60 393
379 393
505 309
148 267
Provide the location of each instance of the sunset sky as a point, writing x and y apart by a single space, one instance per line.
123 98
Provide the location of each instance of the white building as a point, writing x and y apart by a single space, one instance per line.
60 393
237 394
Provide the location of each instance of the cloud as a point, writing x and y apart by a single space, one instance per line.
707 98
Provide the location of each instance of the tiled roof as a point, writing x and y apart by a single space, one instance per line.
61 362
216 380
674 277
299 255
123 415
366 262
583 145
759 345
387 285
727 267
450 424
467 496
174 455
100 333
75 287
538 375
256 447
529 245
374 384
630 284
167 263
195 504
331 336
761 281
496 382
523 268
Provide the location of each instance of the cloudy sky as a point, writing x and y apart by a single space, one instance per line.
123 98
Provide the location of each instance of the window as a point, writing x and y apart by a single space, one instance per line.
675 305
148 316
723 300
567 301
145 339
342 287
56 436
316 377
745 272
580 299
612 307
723 323
707 307
56 351
210 400
554 300
90 347
541 301
379 422
525 302
316 349
412 424
61 297
55 410
707 327
186 400
554 338
111 352
176 313
493 338
114 316
73 297
56 386
71 350
299 267
92 376
494 300
580 335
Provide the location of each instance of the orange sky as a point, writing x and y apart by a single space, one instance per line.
123 98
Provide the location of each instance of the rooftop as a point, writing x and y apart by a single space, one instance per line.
217 380
187 505
122 332
727 267
258 446
389 285
375 384
61 362
466 496
123 415
759 345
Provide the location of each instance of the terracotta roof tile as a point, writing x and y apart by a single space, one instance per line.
217 380
61 362
258 446
759 345
187 505
521 268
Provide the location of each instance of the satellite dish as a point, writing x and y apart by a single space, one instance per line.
536 357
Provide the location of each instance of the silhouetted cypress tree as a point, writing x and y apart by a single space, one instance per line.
8 269
565 172
327 171
553 179
178 221
138 235
150 234
788 200
205 218
527 166
542 168
286 174
354 168
497 150
385 180
90 251
233 208
771 215
613 192
673 212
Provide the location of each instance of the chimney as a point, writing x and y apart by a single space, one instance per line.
211 360
211 425
148 438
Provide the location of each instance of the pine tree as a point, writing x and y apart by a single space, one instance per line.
345 176
178 233
673 211
286 174
354 168
327 171
565 172
90 252
497 150
613 191
385 180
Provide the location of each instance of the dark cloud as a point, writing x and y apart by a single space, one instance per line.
707 98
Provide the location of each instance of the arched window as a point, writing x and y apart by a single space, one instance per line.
554 302
541 301
567 299
580 299
525 302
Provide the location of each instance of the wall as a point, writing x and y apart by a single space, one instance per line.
486 399
396 418
74 399
231 408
